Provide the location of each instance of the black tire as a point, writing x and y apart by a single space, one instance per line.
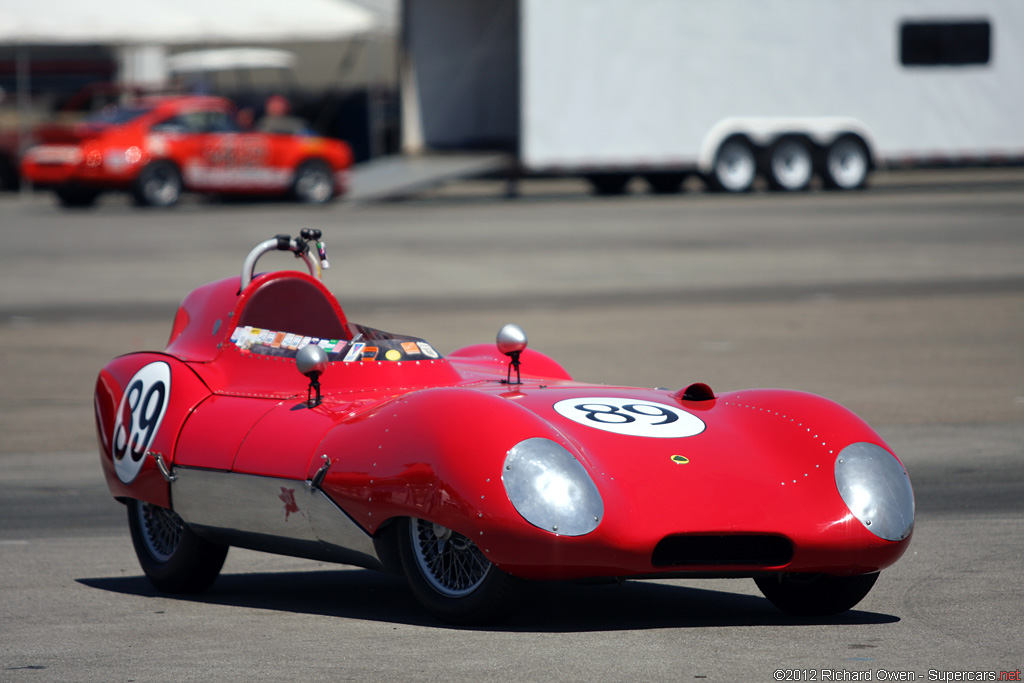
451 577
10 179
735 166
74 197
609 184
790 164
173 557
159 184
846 164
815 595
313 183
665 183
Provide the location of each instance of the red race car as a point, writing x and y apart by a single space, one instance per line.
272 422
156 148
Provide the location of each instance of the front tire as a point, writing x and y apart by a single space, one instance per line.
159 185
735 167
313 183
815 595
174 558
450 575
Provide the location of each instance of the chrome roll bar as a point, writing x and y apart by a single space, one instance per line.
297 245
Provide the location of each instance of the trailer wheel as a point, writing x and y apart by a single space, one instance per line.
735 166
606 184
790 164
847 163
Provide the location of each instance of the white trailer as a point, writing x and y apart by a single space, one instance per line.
787 90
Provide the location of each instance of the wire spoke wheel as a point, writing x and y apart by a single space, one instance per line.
173 557
450 562
161 530
451 576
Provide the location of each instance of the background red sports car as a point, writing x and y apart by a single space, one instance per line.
156 148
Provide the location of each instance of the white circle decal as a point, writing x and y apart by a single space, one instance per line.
139 415
631 417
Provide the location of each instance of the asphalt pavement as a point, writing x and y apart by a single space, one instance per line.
905 303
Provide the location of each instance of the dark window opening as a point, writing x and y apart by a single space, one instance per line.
945 43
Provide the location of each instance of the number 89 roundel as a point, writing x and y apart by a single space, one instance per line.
631 417
139 415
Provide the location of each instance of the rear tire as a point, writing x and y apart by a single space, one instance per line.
74 197
847 164
313 183
159 185
174 558
790 164
451 577
735 166
815 595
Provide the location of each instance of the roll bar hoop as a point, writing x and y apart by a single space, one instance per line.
298 246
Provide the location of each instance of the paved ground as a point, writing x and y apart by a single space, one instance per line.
906 303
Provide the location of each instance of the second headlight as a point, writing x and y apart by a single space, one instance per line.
551 489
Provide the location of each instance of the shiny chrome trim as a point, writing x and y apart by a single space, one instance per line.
267 513
158 458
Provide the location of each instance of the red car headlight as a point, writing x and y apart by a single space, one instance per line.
551 489
876 489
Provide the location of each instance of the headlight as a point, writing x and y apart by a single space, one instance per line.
876 488
551 489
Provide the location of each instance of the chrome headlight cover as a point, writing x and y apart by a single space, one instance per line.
551 489
876 489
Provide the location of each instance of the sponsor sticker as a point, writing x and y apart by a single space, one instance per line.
393 354
355 352
427 350
410 347
369 353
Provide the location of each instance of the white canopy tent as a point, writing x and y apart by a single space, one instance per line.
228 58
142 29
169 22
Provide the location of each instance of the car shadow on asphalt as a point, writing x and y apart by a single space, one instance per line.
545 608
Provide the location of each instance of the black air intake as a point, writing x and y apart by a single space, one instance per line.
747 550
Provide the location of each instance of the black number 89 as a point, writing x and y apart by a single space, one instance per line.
608 414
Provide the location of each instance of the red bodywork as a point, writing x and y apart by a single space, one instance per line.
427 438
198 135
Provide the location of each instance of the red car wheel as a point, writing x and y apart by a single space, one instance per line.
173 557
313 183
450 575
159 184
815 595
